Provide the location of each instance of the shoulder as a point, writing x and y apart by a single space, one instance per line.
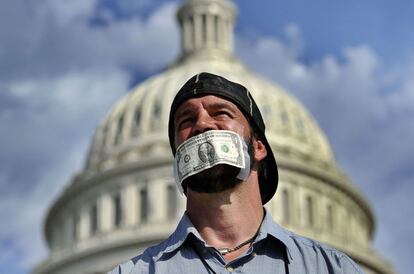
311 253
147 261
124 268
141 263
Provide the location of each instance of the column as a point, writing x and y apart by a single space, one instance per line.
229 35
157 200
225 34
210 29
84 223
197 32
221 33
106 213
130 205
187 34
67 231
55 236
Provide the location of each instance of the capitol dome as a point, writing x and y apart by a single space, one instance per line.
125 198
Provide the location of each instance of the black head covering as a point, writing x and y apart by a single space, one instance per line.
209 84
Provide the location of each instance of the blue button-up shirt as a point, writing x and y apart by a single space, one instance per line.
275 250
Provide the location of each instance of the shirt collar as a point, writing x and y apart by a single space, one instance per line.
269 227
184 229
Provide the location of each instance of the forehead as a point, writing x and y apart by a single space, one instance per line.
207 102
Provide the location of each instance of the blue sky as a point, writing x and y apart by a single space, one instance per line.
64 63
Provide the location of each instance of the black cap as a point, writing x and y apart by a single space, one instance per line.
209 84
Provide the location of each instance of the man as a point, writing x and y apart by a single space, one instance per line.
226 168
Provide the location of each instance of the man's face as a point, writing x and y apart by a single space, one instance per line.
197 115
201 114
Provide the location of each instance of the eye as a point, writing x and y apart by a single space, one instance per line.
184 122
223 114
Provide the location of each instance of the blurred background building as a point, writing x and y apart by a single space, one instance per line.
125 198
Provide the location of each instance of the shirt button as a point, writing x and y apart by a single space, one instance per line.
254 254
230 269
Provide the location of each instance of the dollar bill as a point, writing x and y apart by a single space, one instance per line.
206 150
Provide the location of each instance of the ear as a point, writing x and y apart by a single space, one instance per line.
260 151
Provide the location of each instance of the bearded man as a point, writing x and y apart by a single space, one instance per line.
225 166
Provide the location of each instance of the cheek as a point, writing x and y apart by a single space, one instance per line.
237 127
181 136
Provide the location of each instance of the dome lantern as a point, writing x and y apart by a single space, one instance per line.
206 27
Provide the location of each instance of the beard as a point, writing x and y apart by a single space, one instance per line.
213 180
217 178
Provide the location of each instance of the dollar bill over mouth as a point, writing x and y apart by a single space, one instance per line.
206 150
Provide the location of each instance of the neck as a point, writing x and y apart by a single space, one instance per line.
228 218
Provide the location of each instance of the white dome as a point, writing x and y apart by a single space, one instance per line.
137 124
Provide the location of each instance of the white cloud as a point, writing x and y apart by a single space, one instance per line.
294 38
130 7
56 37
75 92
24 228
55 130
67 12
395 236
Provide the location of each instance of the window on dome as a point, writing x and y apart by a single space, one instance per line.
104 135
136 121
266 111
299 125
119 127
349 231
76 224
118 216
144 205
285 206
94 219
56 233
309 209
157 109
137 116
155 124
330 218
284 117
172 204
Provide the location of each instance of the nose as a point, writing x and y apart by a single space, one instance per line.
203 123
